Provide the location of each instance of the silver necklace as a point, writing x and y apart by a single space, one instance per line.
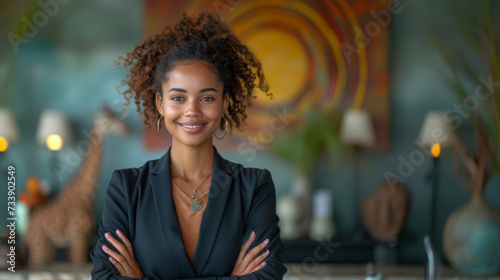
195 205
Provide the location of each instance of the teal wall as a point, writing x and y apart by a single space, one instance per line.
73 71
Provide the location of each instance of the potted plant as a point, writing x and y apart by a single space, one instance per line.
302 147
471 234
476 62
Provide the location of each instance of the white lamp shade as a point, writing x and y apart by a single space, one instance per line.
53 122
436 129
356 128
8 126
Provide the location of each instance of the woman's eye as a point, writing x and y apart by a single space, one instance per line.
176 98
207 99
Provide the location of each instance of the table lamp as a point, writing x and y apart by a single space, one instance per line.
436 129
356 131
54 131
9 132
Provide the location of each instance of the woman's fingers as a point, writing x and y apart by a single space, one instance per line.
245 247
116 257
119 262
124 259
127 243
250 256
118 266
243 251
117 244
254 252
258 267
258 261
249 260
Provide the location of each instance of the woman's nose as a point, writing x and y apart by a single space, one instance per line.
192 109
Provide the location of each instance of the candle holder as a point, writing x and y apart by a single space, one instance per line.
434 178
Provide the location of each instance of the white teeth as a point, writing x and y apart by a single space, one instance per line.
192 126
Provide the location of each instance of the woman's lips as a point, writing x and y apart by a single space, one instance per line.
192 127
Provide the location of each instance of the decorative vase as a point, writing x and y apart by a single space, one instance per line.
294 209
471 238
322 224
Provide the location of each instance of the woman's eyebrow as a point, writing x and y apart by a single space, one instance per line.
207 89
177 89
185 91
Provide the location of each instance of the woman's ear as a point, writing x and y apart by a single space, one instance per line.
159 103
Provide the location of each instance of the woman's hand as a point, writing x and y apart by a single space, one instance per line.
248 263
124 260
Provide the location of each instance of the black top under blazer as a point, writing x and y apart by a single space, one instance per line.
139 202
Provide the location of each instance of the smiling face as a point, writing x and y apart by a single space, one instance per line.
192 103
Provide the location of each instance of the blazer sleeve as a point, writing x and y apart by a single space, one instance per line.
114 217
263 220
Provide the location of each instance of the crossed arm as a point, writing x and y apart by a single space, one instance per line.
127 266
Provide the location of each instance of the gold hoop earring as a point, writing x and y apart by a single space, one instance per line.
226 125
158 126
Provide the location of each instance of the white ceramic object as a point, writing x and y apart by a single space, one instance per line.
291 217
322 224
294 210
322 229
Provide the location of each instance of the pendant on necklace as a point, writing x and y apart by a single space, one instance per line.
193 196
195 206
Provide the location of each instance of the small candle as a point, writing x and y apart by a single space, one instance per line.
435 151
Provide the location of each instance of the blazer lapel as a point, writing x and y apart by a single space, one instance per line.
161 185
217 198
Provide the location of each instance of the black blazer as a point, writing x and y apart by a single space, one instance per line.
139 202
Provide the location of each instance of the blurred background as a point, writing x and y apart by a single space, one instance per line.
362 92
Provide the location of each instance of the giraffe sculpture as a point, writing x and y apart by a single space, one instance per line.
68 221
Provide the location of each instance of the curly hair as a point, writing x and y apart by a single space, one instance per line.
203 38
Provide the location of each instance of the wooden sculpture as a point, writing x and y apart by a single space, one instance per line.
384 211
68 221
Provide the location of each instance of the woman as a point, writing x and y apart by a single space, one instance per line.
191 214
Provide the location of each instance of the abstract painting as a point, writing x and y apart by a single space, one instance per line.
316 55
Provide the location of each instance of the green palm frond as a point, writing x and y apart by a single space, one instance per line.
482 36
